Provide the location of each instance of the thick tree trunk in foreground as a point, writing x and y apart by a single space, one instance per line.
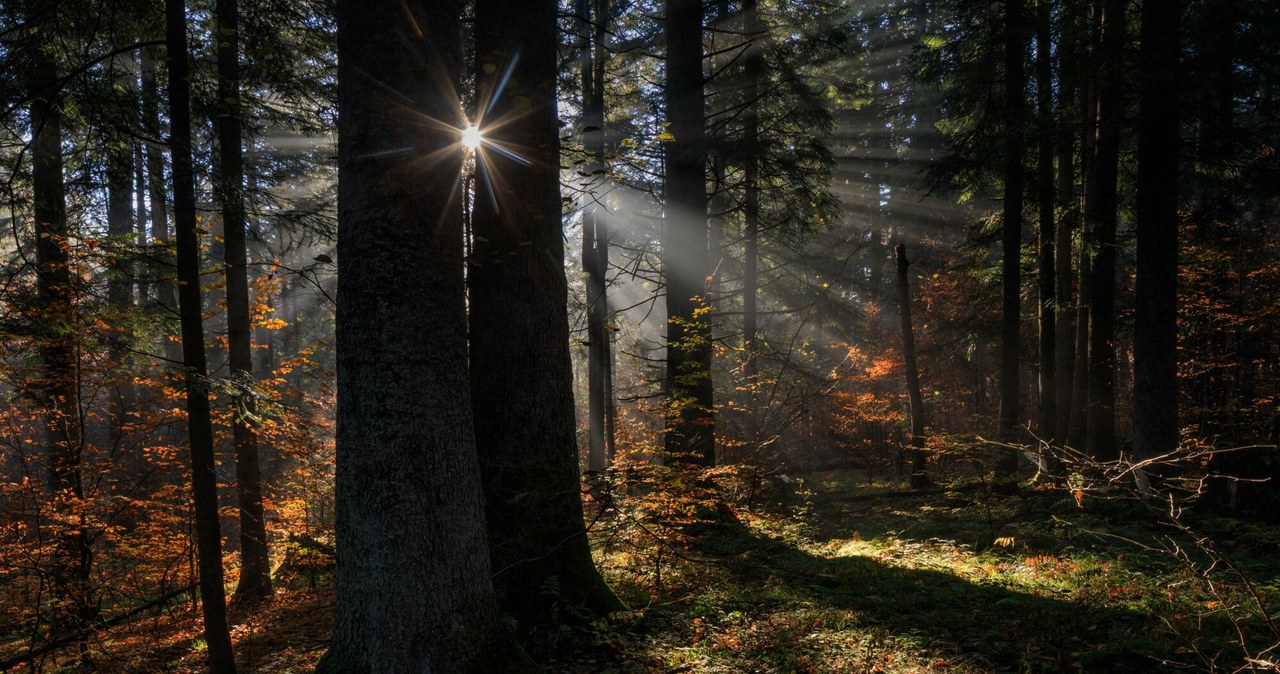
255 567
1155 341
413 576
204 480
1011 279
521 377
919 479
690 417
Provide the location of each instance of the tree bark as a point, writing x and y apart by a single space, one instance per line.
753 75
919 478
1155 342
1011 280
689 436
413 577
166 295
1101 214
120 231
204 479
1047 201
60 386
521 377
255 566
595 236
1068 99
1078 426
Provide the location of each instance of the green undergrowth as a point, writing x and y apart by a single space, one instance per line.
821 575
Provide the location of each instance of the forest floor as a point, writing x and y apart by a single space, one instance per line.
824 574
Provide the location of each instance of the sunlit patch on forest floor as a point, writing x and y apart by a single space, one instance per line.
834 577
823 575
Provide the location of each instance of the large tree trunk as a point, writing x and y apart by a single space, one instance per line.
204 479
1011 280
690 417
413 578
521 377
919 479
1155 341
1101 213
255 567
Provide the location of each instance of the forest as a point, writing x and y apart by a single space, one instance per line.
629 336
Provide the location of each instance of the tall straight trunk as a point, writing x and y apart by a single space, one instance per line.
1079 423
1068 90
595 244
204 479
413 578
919 479
1011 280
120 230
255 567
1101 214
140 215
1078 427
754 67
689 435
60 388
521 376
166 294
1046 199
1155 342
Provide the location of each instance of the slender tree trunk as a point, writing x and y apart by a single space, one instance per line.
592 244
204 479
521 378
754 67
919 478
255 566
1079 422
690 417
602 231
1155 342
1011 284
120 231
166 295
140 215
413 578
1101 212
1046 200
60 394
1068 90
